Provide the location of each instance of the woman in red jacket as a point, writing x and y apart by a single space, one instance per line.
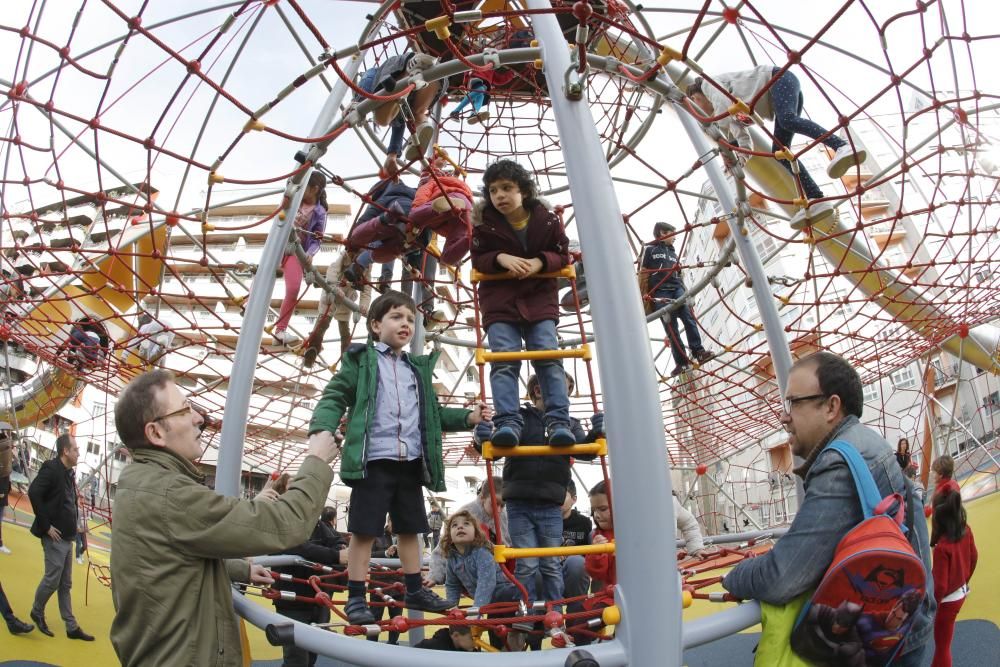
955 559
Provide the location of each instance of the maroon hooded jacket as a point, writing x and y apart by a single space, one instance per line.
518 301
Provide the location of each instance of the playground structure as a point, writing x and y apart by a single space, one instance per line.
921 303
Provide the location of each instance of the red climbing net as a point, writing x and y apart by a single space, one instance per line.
146 148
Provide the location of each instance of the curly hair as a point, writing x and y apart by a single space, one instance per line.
508 170
479 538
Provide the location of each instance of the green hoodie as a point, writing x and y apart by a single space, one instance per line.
352 390
175 549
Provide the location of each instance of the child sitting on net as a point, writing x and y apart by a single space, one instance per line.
601 567
471 568
515 233
478 84
383 80
381 233
442 204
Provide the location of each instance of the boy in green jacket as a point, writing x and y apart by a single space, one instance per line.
392 446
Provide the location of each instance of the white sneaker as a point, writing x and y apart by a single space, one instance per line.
811 215
844 159
282 337
420 141
79 560
4 550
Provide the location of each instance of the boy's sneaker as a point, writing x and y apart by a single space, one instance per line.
358 612
701 356
282 337
844 159
427 600
4 550
506 436
561 436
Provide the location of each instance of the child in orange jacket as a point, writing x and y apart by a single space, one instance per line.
442 204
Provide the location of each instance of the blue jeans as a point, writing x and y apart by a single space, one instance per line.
786 98
506 337
476 96
684 316
533 525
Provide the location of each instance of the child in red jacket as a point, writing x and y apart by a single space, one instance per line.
955 559
442 204
515 234
601 567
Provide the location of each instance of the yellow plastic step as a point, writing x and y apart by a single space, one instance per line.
501 552
583 352
599 447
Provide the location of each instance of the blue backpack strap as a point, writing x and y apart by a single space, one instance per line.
868 491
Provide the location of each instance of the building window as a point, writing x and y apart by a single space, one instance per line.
871 392
93 448
904 378
992 402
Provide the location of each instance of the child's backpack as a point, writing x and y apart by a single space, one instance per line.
864 606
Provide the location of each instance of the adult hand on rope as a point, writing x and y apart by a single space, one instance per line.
521 267
260 575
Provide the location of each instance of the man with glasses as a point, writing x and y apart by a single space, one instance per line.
176 545
54 501
823 403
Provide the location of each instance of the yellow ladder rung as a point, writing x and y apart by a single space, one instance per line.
501 552
565 272
583 352
599 447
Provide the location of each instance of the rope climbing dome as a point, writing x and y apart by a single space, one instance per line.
126 129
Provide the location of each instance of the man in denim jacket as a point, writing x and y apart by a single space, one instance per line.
823 403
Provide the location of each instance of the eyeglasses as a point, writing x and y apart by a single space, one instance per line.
790 402
187 409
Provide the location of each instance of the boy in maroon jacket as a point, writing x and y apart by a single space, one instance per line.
515 233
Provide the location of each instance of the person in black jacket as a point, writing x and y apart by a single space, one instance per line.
534 489
662 283
54 502
326 547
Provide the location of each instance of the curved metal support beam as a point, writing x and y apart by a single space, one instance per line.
373 654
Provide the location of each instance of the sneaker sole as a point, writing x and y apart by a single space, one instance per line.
838 169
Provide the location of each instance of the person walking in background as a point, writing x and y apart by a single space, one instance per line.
54 501
6 468
435 519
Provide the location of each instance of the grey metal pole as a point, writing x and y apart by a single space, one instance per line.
650 631
227 481
774 330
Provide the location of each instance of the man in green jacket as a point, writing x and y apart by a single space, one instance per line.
177 545
392 448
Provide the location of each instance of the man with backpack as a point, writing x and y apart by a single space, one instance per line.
822 405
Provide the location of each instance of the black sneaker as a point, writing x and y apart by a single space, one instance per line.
358 612
79 634
427 600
